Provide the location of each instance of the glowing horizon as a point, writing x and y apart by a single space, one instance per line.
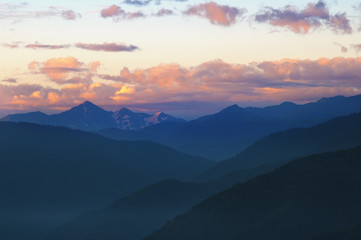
144 52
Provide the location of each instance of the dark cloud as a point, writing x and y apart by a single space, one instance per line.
46 46
313 16
108 47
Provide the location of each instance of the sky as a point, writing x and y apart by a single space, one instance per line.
177 56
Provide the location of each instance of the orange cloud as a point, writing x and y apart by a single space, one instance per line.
64 70
288 79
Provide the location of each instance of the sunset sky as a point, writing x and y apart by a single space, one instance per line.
57 54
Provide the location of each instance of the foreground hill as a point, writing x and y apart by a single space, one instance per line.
311 195
351 233
89 117
49 174
338 133
226 133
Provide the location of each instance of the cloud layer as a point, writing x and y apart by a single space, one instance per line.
289 79
313 16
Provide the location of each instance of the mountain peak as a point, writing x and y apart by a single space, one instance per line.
231 108
124 109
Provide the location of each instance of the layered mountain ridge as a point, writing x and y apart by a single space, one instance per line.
90 117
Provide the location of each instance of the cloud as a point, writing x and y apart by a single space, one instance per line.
164 12
70 15
20 11
137 2
357 47
46 46
343 48
9 80
217 14
108 47
117 13
313 16
11 45
268 81
65 70
115 78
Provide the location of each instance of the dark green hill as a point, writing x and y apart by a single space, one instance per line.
315 194
50 174
338 133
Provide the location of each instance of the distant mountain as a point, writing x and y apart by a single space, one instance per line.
338 133
228 132
50 174
315 194
89 117
128 120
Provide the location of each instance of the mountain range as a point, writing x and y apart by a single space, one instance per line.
228 132
89 117
339 133
49 175
215 137
150 208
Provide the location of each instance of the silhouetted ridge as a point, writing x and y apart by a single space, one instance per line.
339 133
315 194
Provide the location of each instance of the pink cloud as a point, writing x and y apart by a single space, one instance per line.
64 70
70 15
9 80
288 79
117 13
217 14
164 12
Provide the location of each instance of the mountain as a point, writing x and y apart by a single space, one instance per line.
228 132
128 120
32 117
86 116
339 133
49 175
311 195
89 117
